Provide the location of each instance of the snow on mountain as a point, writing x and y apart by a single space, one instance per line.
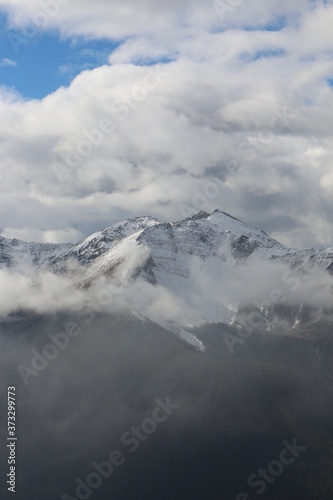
17 253
197 262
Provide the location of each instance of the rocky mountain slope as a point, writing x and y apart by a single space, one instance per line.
204 263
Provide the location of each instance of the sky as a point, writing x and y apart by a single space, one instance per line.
111 110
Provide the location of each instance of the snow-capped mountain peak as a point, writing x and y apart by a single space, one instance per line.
192 270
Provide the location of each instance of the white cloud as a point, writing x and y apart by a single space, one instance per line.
7 62
113 19
173 135
178 300
67 235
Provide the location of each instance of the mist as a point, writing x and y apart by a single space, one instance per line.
74 410
90 359
174 299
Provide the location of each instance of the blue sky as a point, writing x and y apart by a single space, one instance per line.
39 65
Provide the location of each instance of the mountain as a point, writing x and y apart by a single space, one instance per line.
204 235
219 286
16 253
206 265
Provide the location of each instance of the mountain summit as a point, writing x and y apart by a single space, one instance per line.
201 269
169 246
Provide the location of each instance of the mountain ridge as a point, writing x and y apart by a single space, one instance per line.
205 266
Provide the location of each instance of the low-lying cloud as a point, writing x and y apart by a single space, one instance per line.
213 291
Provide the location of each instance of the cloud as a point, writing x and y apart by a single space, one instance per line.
7 62
113 20
41 294
212 291
186 95
67 235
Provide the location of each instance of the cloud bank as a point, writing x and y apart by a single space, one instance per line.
195 110
211 293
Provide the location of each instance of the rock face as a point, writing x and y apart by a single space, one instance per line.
15 253
169 247
176 256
